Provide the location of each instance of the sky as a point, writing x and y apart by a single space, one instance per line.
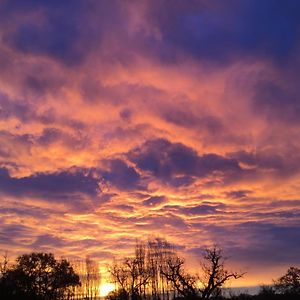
122 120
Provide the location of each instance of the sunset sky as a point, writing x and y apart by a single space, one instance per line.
130 119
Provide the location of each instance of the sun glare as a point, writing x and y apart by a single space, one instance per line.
105 288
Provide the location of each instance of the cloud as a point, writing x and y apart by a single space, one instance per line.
205 208
46 241
268 161
124 119
67 40
154 201
239 194
254 243
278 100
55 36
177 164
13 234
266 236
56 186
212 32
52 135
121 175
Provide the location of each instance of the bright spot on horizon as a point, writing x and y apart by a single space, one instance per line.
106 288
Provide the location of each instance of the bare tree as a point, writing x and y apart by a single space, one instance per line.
131 276
158 252
119 275
157 270
140 275
214 274
183 283
92 279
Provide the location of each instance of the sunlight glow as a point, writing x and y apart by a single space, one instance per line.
105 288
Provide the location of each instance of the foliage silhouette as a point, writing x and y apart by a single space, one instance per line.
156 269
214 273
38 276
289 284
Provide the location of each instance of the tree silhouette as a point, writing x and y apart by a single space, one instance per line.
156 269
182 282
289 283
38 276
4 264
131 277
214 274
158 252
89 276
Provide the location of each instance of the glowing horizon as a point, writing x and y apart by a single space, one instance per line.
119 121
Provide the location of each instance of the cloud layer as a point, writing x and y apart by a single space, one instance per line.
136 118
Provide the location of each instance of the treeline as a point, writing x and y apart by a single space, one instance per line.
39 276
158 272
89 274
155 271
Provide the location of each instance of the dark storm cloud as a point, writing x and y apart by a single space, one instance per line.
282 241
50 185
48 240
57 36
214 31
51 135
185 117
26 112
177 164
157 222
121 175
257 243
205 208
12 233
155 200
42 83
278 101
269 160
248 158
20 110
126 114
288 215
26 211
68 31
239 194
210 31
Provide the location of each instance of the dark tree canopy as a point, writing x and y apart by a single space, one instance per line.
38 276
289 283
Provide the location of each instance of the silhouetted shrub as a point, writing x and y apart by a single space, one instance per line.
38 276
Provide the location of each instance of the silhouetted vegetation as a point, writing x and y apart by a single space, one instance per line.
156 271
38 276
289 284
90 279
159 271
